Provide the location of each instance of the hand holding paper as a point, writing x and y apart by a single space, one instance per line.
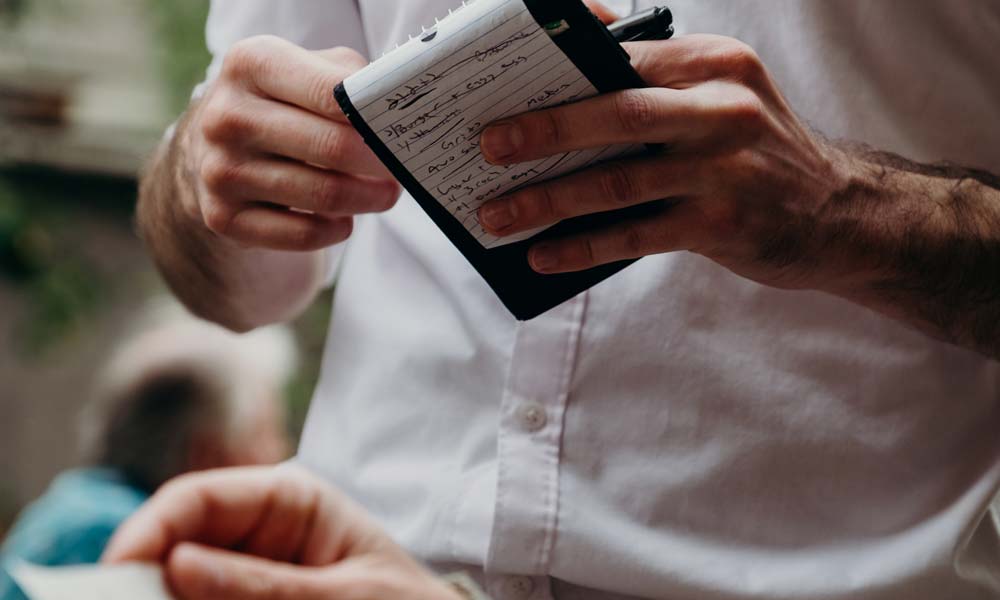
274 532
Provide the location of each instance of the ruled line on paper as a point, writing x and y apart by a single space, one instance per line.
428 102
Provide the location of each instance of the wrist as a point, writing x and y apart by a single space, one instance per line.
860 224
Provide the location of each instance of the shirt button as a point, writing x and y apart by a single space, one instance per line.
531 416
518 586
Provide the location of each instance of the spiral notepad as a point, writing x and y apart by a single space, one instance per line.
422 107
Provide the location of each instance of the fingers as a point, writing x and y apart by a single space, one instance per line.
687 60
695 118
247 190
283 130
322 202
249 509
280 167
281 70
296 185
277 228
219 507
271 127
603 188
197 572
282 531
705 91
263 157
680 227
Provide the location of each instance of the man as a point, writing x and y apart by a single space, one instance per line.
180 396
804 405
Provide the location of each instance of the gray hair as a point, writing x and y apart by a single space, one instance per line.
177 381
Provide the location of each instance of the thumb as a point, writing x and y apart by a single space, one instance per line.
605 14
197 572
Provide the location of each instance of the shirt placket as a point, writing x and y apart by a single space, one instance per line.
528 453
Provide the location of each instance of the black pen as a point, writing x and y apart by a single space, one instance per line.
656 23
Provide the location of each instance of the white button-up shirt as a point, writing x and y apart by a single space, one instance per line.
676 431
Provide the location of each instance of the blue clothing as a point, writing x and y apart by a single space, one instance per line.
70 524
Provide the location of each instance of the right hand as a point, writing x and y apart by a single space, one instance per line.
269 533
272 160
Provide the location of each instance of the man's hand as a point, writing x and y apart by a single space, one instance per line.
269 533
273 159
262 170
747 185
748 174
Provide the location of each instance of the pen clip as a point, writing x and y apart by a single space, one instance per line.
656 23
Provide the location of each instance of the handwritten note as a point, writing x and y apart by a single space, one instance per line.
430 99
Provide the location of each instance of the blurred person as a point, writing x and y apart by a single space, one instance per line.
795 394
181 395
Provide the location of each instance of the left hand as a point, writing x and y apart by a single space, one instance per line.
749 179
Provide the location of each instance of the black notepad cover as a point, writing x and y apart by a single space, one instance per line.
590 46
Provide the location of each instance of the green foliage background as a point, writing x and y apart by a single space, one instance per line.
62 288
182 56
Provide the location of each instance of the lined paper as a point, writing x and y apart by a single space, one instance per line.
430 99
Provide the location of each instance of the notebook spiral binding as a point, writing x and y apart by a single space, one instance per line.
424 31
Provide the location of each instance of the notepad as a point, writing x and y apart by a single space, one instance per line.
429 100
423 106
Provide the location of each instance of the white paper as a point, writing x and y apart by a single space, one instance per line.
91 582
429 100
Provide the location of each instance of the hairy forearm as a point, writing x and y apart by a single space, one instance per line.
218 280
923 245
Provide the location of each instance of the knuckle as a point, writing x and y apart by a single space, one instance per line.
543 204
746 114
261 585
217 216
245 56
549 126
634 242
308 236
635 111
618 184
326 193
180 485
742 61
219 172
725 219
320 92
348 57
330 143
222 123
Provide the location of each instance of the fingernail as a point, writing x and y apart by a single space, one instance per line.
543 258
497 216
501 141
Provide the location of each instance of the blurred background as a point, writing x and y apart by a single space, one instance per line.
86 90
